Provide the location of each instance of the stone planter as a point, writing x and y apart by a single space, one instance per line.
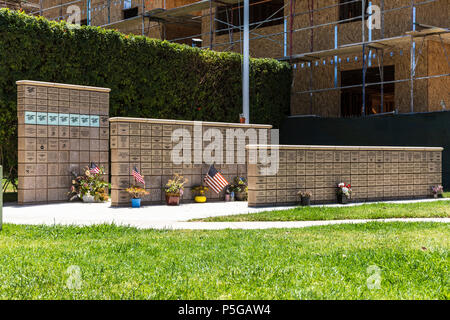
172 199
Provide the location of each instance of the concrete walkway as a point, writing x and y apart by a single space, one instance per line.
164 217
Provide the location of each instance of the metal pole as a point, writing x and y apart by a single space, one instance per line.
382 58
336 57
246 64
413 55
143 17
109 11
88 12
210 26
285 37
311 48
363 111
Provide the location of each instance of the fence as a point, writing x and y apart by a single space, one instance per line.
412 130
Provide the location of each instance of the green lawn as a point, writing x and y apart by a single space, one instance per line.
437 209
328 262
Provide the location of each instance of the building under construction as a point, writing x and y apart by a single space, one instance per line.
350 58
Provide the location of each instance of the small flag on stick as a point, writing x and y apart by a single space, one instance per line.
137 176
93 168
215 180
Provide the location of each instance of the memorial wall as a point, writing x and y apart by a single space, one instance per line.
147 145
61 129
374 173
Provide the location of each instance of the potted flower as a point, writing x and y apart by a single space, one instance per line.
344 192
174 189
229 192
240 188
200 193
89 187
136 194
305 198
438 191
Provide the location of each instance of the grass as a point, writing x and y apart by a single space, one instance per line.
328 262
437 209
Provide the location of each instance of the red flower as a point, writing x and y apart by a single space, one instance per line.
198 109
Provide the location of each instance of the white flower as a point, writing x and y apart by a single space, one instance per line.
341 185
344 190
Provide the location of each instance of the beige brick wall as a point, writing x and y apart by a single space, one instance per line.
61 129
147 145
375 173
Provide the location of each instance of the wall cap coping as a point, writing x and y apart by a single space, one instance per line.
350 148
61 85
189 122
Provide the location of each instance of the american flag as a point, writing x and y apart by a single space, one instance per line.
93 168
137 176
215 180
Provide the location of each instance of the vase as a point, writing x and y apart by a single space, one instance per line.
342 199
306 201
227 197
200 199
172 199
135 203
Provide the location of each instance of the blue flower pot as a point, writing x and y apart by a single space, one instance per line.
135 203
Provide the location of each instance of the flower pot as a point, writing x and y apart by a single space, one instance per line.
200 199
306 201
240 196
87 198
342 199
135 203
172 199
227 197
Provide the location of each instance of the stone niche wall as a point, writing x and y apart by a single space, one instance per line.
375 173
61 129
147 145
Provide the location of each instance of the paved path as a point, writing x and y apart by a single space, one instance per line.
162 216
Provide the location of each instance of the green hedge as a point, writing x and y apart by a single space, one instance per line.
148 77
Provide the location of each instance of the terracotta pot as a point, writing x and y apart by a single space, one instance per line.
172 199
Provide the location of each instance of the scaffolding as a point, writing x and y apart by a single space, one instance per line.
203 11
